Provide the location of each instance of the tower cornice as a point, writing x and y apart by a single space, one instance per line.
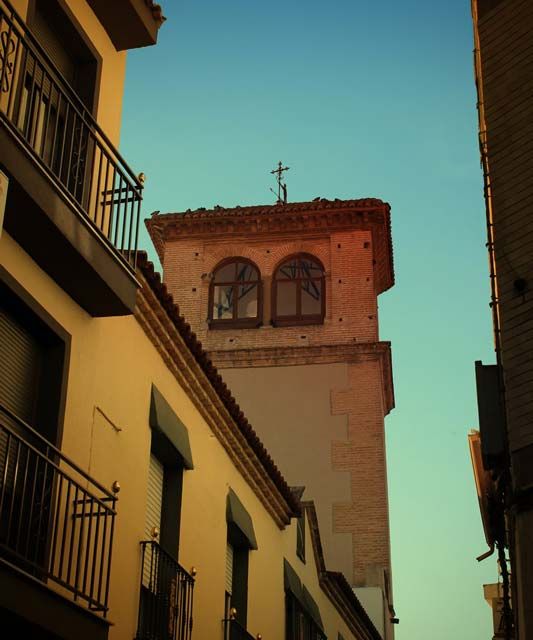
303 218
315 354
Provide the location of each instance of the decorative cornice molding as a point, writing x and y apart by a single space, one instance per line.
301 218
350 353
291 356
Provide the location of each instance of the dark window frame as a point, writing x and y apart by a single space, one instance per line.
239 584
235 322
51 405
173 469
154 611
298 318
298 622
85 42
48 411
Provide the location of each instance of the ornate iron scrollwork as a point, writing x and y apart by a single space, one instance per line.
7 49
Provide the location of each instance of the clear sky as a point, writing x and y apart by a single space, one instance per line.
361 99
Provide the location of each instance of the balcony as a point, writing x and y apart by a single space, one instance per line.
166 598
73 203
56 535
129 23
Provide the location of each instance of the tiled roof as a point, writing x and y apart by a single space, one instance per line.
318 204
157 11
195 346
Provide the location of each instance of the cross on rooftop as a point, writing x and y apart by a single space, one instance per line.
282 187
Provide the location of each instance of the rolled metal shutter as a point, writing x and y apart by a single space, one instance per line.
51 43
154 501
21 359
20 366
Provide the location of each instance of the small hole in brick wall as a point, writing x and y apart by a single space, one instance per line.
196 253
368 279
268 250
366 245
340 281
338 246
340 319
370 317
231 340
303 337
194 288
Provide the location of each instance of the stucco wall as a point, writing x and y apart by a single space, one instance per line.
290 408
324 426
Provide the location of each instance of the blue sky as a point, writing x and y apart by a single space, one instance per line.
360 99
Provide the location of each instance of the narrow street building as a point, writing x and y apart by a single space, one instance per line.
284 299
504 79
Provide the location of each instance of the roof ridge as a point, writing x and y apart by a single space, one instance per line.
317 204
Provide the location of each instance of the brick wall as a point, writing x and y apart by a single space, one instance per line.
351 308
362 454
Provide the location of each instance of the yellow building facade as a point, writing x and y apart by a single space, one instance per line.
136 501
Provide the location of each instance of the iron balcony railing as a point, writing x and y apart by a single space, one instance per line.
233 630
166 597
46 115
56 522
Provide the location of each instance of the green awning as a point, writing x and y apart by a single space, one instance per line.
164 420
292 582
312 607
237 515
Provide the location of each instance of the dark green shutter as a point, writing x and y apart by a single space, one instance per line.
54 47
20 366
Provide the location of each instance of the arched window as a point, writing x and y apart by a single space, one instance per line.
298 291
235 294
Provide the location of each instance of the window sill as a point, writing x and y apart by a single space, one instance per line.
297 322
254 323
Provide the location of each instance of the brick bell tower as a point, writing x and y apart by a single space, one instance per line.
284 298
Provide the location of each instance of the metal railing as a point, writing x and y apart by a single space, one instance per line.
166 597
233 630
56 522
46 115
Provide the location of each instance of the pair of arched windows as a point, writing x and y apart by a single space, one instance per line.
298 293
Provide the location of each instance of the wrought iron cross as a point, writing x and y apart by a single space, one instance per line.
282 187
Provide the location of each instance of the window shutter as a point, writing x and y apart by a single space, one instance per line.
51 43
154 503
155 497
20 365
20 355
229 568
